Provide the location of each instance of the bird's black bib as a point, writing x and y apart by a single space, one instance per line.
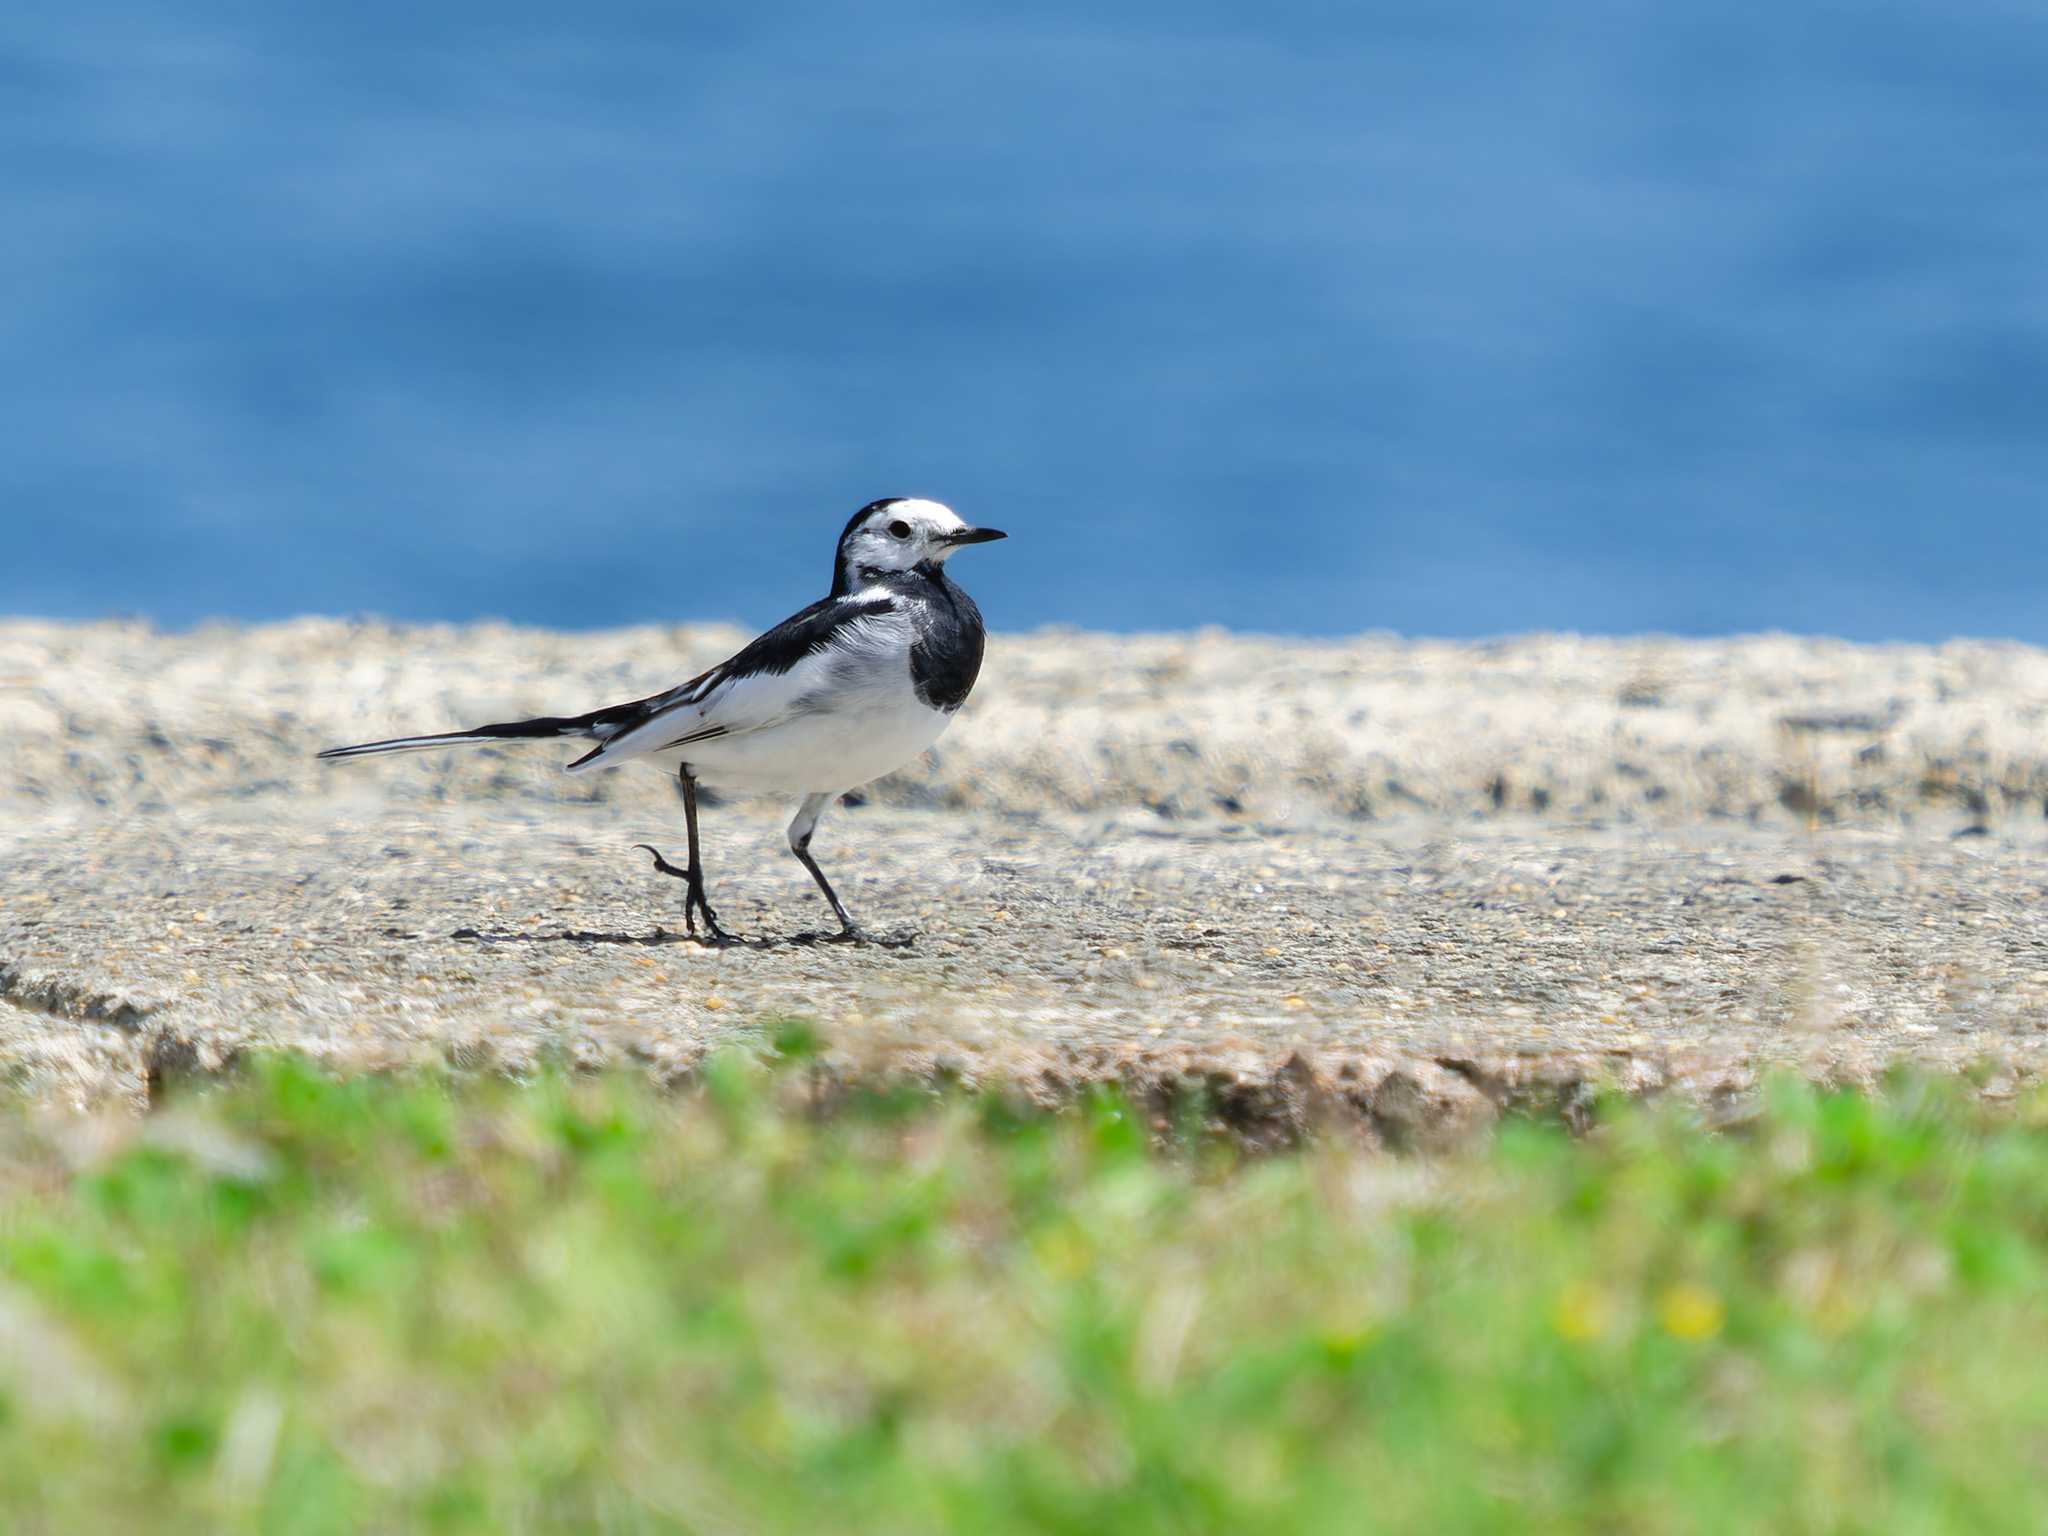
945 658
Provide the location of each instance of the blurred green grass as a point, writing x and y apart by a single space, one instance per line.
298 1303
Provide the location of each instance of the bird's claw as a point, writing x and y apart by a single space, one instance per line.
858 936
714 937
661 865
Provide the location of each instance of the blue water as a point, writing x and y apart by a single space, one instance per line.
1449 316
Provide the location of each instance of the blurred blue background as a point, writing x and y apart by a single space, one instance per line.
1453 317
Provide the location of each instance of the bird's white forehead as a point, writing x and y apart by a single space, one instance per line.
915 509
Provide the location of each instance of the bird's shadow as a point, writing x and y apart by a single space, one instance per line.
805 940
570 936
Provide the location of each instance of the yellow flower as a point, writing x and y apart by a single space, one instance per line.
1690 1311
1343 1342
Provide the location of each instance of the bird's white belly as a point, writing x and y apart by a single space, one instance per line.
825 752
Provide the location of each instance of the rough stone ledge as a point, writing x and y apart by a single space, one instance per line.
46 992
1395 1104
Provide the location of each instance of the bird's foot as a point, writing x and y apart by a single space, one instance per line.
859 937
713 937
694 902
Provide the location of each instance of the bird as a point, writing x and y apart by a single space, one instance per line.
838 694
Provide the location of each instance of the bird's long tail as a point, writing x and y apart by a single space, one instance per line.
547 727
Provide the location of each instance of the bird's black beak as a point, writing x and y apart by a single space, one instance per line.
976 536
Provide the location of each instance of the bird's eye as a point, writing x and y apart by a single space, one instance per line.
900 529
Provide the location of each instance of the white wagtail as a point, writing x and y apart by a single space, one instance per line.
851 688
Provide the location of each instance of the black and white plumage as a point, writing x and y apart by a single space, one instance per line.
851 688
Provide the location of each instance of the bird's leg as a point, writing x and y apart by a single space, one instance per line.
694 900
694 875
800 831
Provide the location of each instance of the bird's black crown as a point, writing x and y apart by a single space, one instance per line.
867 512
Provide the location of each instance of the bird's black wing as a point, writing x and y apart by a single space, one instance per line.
757 686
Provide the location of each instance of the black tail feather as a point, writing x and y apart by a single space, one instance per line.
550 727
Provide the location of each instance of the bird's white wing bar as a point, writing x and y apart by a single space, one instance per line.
729 706
785 673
